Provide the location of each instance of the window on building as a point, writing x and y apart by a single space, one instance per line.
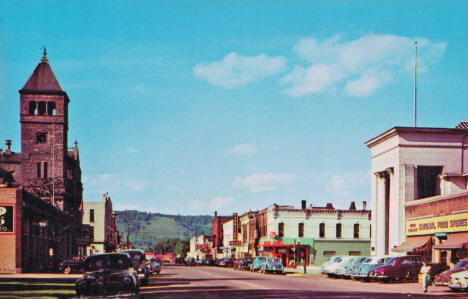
51 110
42 108
38 170
45 170
428 181
32 108
301 230
354 253
322 230
329 253
356 231
281 229
91 215
338 230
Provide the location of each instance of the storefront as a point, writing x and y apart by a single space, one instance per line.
292 252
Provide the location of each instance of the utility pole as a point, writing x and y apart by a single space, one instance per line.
415 81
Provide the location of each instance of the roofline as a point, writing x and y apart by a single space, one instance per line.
53 92
395 130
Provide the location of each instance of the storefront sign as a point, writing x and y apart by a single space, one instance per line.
6 219
441 224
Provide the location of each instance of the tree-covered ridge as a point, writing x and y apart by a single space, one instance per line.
146 229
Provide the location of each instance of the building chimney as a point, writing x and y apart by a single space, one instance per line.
303 204
216 213
8 146
352 206
364 205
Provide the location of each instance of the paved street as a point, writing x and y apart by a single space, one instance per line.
211 282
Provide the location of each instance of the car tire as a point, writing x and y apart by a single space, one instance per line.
67 270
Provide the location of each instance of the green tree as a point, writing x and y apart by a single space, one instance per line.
182 247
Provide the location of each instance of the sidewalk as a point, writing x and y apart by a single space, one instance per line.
300 270
41 277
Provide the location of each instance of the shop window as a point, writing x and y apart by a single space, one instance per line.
32 108
428 181
354 253
51 110
281 229
91 215
356 231
338 230
322 230
42 108
329 253
301 230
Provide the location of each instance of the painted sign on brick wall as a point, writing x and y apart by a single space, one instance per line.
432 225
6 219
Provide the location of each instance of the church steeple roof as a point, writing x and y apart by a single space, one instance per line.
42 79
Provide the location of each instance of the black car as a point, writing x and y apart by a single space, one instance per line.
108 273
69 266
139 264
242 263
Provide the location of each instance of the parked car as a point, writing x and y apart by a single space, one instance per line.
272 265
352 264
139 264
226 262
459 281
107 274
363 270
443 278
398 268
336 269
258 263
242 263
69 266
328 262
154 266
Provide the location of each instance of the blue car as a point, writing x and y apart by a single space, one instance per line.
272 265
258 263
363 271
331 260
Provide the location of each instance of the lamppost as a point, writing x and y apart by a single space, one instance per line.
44 252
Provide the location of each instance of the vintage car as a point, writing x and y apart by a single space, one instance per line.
258 263
443 278
139 264
363 270
351 265
108 273
459 281
226 262
336 269
153 266
272 265
398 268
331 260
69 266
242 263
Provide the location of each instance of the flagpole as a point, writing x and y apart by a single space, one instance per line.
415 82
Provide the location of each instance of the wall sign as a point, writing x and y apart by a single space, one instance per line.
6 219
432 225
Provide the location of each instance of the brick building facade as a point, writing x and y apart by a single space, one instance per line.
47 176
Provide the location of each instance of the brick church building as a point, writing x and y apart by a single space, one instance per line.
40 188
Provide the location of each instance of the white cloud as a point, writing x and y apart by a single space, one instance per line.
358 65
113 183
236 70
261 182
219 203
348 183
243 150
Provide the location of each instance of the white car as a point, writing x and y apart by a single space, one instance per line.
334 270
328 263
459 281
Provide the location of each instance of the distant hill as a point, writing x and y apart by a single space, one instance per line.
147 228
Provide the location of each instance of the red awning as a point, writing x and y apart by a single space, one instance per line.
454 241
414 244
276 245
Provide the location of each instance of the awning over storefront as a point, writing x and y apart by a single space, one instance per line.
454 241
414 244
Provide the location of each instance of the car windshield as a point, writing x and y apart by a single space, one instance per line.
391 261
262 259
461 264
107 262
136 256
273 260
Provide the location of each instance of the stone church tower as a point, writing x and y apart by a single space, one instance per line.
48 169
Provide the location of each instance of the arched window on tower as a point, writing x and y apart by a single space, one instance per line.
32 108
51 109
42 108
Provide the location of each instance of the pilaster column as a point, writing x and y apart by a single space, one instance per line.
380 215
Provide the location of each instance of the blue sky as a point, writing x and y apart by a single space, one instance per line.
187 107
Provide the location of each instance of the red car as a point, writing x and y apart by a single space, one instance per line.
398 268
443 278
